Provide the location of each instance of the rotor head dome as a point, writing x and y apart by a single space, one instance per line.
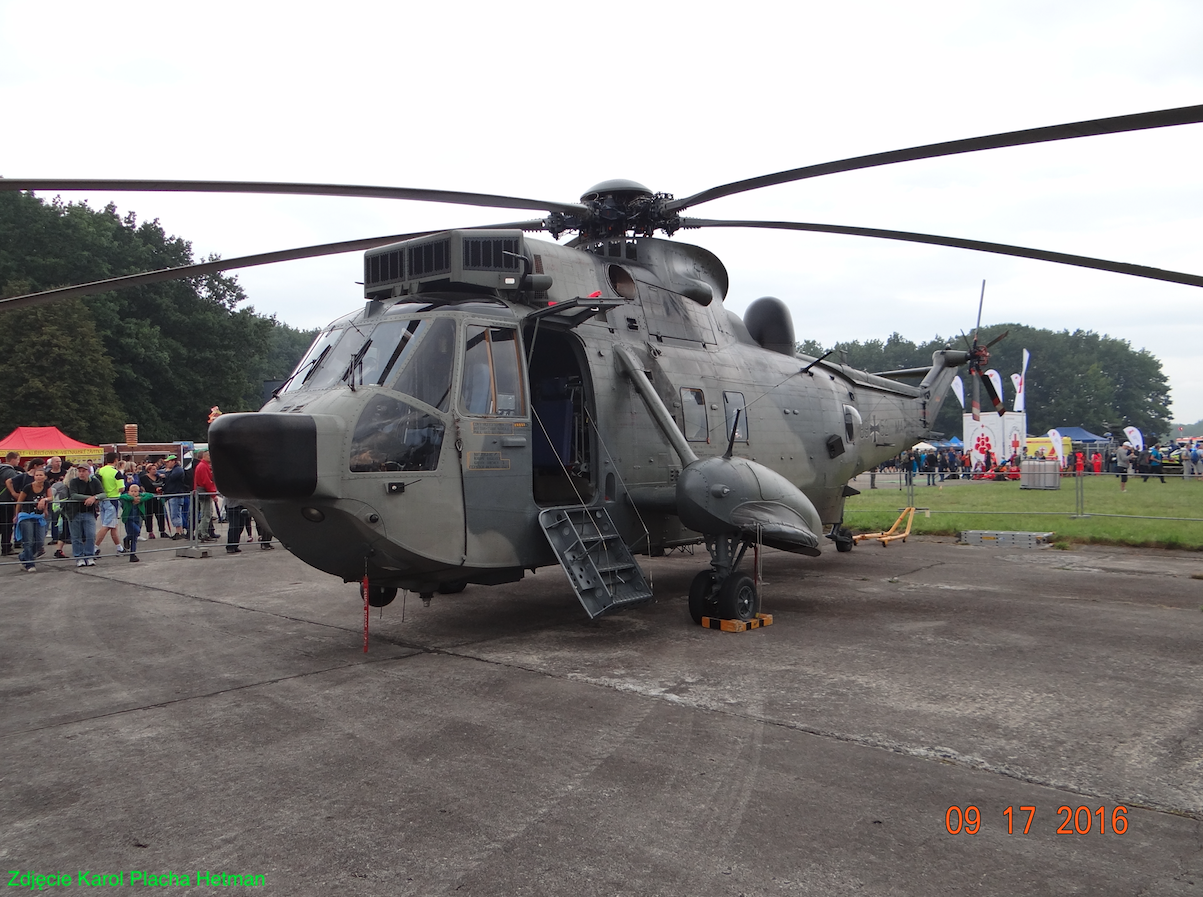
620 189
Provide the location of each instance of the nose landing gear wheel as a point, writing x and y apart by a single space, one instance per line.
738 598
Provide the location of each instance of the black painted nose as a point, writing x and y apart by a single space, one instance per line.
264 455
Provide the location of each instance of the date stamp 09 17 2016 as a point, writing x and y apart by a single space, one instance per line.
1074 821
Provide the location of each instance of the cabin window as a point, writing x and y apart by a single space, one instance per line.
492 379
621 281
425 371
693 415
393 435
852 423
734 402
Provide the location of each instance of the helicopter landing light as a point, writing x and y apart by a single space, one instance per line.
313 515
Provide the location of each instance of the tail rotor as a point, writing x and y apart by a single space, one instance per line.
979 359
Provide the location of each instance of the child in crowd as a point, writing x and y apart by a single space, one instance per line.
134 508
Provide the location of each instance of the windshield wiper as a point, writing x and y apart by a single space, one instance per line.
317 362
309 367
356 362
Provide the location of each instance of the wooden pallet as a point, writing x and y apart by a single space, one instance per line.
761 621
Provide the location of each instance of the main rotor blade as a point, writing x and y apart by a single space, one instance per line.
247 261
1164 118
1061 258
165 186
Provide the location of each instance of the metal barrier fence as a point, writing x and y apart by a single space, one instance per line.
916 486
146 544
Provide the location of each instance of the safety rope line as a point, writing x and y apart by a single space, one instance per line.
618 477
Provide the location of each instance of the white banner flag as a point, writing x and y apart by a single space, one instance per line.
958 388
1135 437
996 381
1020 381
1058 446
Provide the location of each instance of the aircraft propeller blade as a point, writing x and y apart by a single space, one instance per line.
247 261
1062 258
454 197
976 376
1163 118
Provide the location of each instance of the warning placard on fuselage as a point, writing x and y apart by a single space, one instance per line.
497 427
487 461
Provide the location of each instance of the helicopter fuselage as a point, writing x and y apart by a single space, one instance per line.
420 438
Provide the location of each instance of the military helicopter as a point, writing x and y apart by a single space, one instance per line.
501 403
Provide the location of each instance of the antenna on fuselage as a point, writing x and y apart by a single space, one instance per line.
806 370
734 430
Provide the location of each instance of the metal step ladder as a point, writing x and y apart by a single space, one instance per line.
599 565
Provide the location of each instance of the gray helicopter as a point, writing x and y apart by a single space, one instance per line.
501 403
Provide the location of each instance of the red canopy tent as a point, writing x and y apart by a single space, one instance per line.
45 442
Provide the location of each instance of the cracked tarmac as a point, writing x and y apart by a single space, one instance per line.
220 714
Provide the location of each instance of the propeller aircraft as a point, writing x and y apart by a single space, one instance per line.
500 403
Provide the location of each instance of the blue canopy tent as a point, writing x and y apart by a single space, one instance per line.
1077 434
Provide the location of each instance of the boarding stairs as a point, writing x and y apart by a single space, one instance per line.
599 565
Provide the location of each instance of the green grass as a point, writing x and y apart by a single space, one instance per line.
978 505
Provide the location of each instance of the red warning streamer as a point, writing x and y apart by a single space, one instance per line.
366 614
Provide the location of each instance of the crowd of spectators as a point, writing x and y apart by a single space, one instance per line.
940 464
51 502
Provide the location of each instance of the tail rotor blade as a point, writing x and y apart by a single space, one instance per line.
992 395
998 339
980 302
977 394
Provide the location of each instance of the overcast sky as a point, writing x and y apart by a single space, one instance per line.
544 100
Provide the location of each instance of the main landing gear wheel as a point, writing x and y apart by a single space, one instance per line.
379 596
738 598
843 539
701 597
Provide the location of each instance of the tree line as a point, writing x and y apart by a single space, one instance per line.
161 355
1078 379
158 355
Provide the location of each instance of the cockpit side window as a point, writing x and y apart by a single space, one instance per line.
492 377
394 435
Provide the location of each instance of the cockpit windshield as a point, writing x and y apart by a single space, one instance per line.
379 353
314 358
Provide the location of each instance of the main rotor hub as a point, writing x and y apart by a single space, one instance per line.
618 189
617 208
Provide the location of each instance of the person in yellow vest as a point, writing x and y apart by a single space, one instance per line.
113 480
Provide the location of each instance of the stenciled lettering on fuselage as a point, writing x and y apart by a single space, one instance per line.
487 461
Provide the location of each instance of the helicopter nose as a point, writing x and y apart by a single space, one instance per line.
264 455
